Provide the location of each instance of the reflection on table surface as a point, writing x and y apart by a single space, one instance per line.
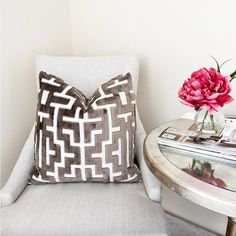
213 170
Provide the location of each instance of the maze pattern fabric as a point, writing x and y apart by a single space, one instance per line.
79 139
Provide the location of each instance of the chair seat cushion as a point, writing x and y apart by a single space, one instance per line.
83 209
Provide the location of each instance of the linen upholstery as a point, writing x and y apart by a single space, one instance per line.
89 139
86 209
92 72
67 67
88 73
20 174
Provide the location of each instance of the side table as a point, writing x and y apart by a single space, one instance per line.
172 167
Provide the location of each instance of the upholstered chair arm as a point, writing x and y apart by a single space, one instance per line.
19 176
151 183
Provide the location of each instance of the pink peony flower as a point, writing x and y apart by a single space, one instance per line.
206 88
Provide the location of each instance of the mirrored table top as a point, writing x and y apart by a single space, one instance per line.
210 169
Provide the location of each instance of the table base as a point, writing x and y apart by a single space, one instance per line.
231 227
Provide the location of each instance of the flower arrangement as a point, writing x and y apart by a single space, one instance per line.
207 89
204 172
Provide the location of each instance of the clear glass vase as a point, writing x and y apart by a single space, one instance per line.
209 123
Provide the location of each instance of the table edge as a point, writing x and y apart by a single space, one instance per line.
224 200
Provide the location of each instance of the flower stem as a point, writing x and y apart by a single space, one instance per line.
203 122
213 123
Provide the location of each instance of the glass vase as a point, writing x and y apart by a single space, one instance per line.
209 123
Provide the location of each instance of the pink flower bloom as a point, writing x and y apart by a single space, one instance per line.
206 88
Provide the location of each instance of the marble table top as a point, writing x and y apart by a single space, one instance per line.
173 167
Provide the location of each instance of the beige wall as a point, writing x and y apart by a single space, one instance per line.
172 39
28 28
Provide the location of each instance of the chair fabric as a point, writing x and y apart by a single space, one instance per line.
78 71
87 73
83 209
20 174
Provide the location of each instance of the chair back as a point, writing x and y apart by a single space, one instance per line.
88 73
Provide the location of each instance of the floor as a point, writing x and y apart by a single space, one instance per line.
180 227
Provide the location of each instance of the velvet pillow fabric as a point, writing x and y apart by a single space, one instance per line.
80 139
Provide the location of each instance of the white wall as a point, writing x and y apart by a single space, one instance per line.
172 39
28 28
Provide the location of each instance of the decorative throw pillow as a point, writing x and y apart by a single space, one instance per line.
85 139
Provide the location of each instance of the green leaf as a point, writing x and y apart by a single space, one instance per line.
232 75
225 62
218 66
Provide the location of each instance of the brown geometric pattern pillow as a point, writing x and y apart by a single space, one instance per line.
85 139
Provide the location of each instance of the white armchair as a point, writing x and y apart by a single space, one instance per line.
82 208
